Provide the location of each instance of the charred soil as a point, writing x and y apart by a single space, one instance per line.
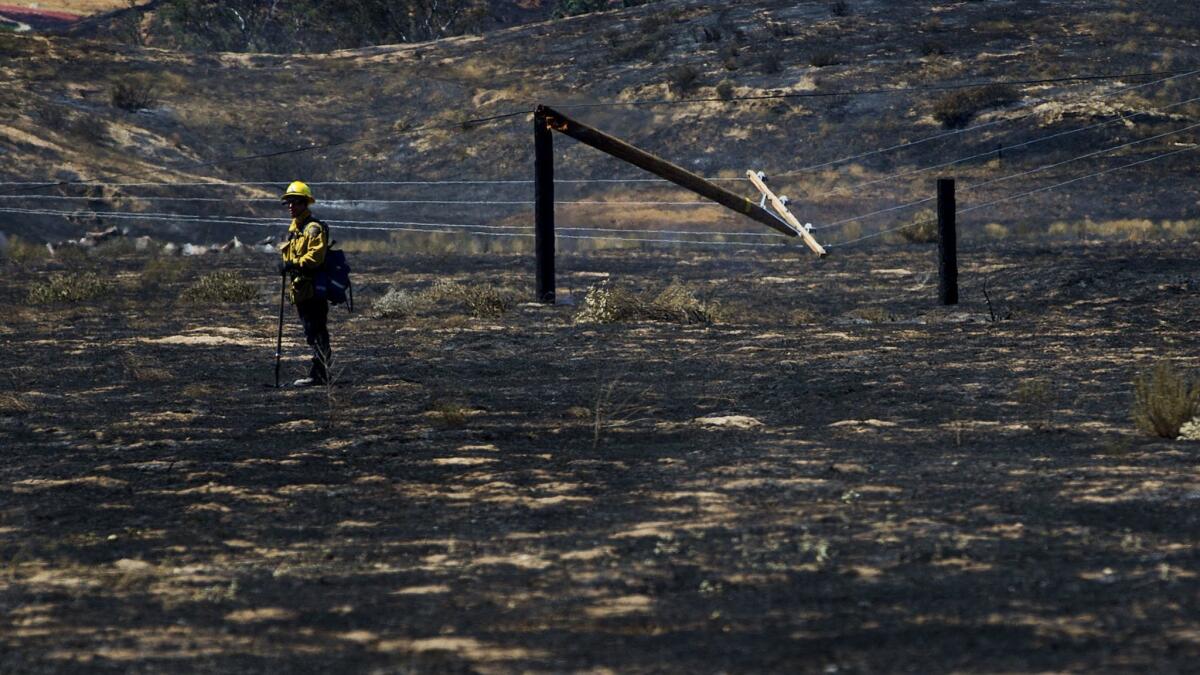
840 476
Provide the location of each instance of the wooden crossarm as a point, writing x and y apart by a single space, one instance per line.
787 216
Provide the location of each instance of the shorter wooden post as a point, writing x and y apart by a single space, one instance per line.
947 243
543 208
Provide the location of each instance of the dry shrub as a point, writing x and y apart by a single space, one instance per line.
922 230
1164 400
62 288
90 128
134 94
478 300
682 79
605 303
398 304
225 287
13 404
957 108
725 90
163 271
22 252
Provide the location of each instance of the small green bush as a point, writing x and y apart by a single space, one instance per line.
224 287
955 109
64 288
1164 400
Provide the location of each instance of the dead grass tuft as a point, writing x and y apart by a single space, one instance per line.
1037 398
1164 400
65 288
606 303
448 414
922 230
477 300
224 287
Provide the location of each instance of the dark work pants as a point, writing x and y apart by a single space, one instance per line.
313 315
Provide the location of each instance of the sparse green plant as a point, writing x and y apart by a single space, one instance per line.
1164 400
957 108
222 287
69 288
1037 398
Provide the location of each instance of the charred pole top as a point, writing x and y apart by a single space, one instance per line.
659 167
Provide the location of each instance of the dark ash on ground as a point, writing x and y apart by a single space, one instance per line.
895 511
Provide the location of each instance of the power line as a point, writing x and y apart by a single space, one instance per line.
1047 188
351 224
348 203
1001 179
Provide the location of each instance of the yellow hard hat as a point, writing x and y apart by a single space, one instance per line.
298 189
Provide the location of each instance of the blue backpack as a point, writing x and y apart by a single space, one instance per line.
333 279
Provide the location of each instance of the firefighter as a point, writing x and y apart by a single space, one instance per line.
303 255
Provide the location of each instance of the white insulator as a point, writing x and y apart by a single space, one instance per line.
762 176
808 227
784 200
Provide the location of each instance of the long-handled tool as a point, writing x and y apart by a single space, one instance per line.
279 339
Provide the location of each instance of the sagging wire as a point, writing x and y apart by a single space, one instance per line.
1029 193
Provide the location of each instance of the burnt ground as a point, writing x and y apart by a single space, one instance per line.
906 504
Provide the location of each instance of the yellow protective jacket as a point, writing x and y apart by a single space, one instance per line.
307 242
